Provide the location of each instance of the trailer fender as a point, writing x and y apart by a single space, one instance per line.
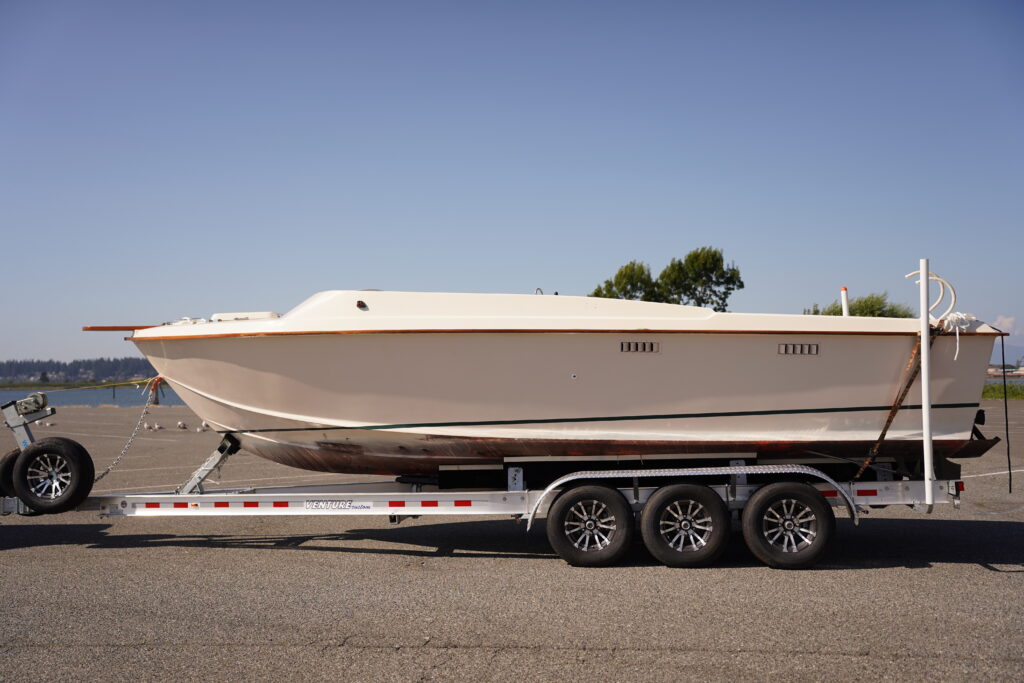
695 472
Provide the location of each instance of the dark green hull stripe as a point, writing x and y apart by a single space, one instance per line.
622 418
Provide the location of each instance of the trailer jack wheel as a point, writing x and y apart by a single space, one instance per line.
590 526
788 525
685 525
53 475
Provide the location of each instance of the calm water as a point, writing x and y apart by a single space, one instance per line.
116 396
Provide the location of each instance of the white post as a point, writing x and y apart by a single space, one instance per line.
845 298
926 388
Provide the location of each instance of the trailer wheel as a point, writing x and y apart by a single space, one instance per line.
53 475
788 525
7 473
590 526
685 525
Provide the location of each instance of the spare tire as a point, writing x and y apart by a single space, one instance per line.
53 475
7 473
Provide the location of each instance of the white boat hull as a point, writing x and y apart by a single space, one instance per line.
406 402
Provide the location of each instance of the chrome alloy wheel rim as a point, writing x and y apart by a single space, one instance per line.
789 525
49 476
590 525
685 525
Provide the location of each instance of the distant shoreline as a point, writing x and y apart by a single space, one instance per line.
15 386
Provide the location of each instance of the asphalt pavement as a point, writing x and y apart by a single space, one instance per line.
904 595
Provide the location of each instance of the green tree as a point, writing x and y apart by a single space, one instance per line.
870 306
631 281
700 279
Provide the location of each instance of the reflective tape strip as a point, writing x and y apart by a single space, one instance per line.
830 493
152 505
396 503
463 503
428 503
280 503
867 492
181 505
221 504
251 504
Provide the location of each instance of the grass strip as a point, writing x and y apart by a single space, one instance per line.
995 390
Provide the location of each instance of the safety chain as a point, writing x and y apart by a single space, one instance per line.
153 386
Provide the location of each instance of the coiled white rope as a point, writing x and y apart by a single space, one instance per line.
957 322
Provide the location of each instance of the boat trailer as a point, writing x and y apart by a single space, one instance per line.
685 514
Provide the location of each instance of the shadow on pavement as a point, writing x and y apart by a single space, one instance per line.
919 543
483 538
876 544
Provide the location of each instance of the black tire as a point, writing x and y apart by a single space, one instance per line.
53 475
7 473
7 480
685 525
788 525
590 526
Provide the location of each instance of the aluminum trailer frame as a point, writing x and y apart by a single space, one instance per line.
398 500
403 499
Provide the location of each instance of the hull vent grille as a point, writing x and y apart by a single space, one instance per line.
639 347
798 349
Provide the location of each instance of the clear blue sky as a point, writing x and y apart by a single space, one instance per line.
163 159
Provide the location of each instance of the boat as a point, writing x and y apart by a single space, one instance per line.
410 383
